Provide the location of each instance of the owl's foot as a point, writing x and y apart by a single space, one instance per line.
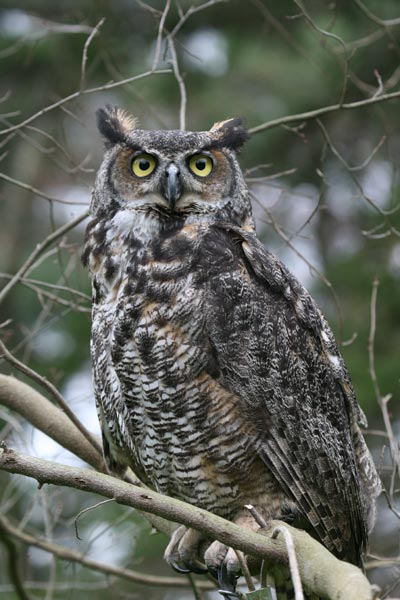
182 552
223 564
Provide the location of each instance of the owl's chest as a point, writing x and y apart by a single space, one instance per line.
159 393
154 337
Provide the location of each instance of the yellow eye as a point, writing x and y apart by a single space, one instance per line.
143 165
201 165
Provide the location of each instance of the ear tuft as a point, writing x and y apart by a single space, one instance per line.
230 133
114 124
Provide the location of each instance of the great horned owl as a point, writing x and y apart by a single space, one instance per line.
216 377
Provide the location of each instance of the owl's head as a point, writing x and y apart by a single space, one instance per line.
171 175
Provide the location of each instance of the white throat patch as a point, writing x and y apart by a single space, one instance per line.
142 225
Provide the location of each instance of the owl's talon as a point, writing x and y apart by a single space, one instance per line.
227 577
195 566
183 550
176 567
213 571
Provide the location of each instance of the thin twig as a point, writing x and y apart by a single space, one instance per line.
48 241
85 51
288 37
259 519
194 585
37 192
350 169
324 110
69 555
273 176
293 565
53 286
66 99
277 228
191 11
381 400
41 294
382 22
88 509
333 36
245 570
13 564
159 35
181 84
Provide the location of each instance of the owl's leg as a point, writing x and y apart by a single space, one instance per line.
183 549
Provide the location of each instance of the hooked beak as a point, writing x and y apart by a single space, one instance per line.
172 185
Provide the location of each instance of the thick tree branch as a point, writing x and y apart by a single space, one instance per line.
320 572
19 394
46 417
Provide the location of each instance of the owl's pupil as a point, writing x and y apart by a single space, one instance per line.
201 164
144 164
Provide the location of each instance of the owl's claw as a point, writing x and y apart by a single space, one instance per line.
196 566
182 551
223 562
227 580
176 567
213 571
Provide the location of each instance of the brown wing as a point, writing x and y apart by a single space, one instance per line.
276 352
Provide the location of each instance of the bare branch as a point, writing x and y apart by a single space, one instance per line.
85 50
13 566
294 567
324 110
319 570
382 400
46 417
37 192
278 229
36 287
382 22
66 99
86 510
53 286
48 241
47 385
191 11
69 555
333 36
159 35
181 84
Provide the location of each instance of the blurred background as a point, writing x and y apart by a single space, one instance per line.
325 194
